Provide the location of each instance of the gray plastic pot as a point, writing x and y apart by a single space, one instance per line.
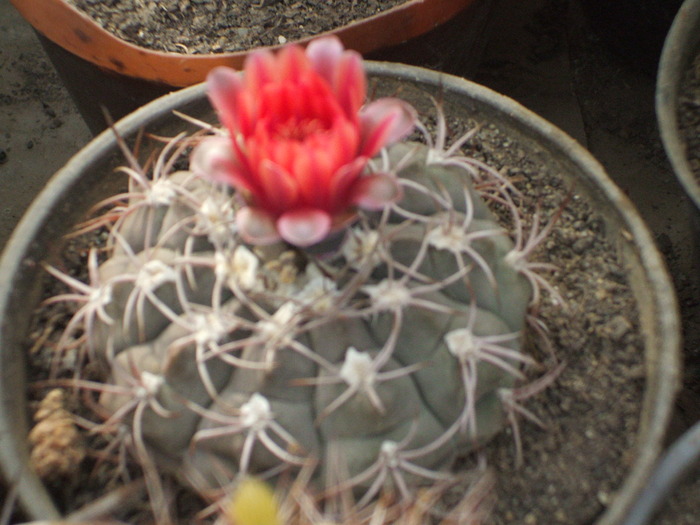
88 177
677 463
681 46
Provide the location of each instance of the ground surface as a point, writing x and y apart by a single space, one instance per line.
39 126
541 53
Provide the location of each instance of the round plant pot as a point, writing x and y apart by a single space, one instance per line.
89 176
101 70
675 465
681 47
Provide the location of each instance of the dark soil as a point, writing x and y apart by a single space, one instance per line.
187 26
573 467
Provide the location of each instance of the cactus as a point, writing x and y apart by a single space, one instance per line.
367 320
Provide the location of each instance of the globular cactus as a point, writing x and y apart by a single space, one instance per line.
368 320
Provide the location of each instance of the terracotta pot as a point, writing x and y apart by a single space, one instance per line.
102 70
89 176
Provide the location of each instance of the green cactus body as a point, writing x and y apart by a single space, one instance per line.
391 347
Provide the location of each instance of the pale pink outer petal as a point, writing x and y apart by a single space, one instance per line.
350 83
223 87
343 180
342 69
256 226
374 192
324 53
260 67
291 64
214 159
383 122
304 227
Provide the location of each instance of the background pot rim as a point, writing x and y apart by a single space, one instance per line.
681 46
662 337
76 32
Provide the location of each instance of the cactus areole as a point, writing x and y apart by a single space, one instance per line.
316 288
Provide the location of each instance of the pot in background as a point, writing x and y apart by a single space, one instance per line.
101 70
681 47
677 463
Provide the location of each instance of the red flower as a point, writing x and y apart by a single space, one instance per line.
300 140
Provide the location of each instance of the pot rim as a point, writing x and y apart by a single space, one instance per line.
76 32
681 46
662 337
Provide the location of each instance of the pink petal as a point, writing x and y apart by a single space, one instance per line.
344 140
342 69
374 192
256 226
292 62
384 122
304 227
260 69
319 100
342 184
279 189
214 158
223 87
350 83
324 53
311 170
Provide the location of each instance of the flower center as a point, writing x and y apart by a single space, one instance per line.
298 129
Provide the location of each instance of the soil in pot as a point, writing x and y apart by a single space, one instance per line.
212 26
572 468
